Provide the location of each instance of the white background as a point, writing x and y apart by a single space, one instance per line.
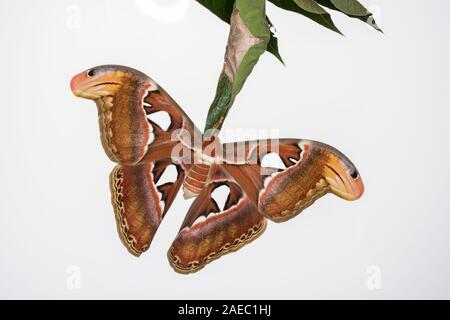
381 99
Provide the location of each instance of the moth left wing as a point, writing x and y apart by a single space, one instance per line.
306 171
208 232
140 202
129 105
180 133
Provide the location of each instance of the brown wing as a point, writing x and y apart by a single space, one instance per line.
140 203
181 128
208 232
309 170
127 101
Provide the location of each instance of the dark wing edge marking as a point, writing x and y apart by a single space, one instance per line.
116 187
194 266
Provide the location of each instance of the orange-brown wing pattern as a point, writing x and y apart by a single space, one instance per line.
208 232
180 127
310 170
140 203
129 103
126 100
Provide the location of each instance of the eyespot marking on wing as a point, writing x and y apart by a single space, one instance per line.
161 118
269 178
293 160
272 160
146 104
220 196
169 175
162 205
199 220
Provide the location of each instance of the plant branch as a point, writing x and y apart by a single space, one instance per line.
247 41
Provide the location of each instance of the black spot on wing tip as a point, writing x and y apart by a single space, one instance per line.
354 175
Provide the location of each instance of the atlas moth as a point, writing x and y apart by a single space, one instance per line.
127 100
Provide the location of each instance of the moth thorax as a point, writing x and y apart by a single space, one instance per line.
210 151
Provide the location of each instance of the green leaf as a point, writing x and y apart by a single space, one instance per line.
310 6
248 40
323 19
350 7
251 35
247 65
221 8
253 13
353 9
272 46
221 103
